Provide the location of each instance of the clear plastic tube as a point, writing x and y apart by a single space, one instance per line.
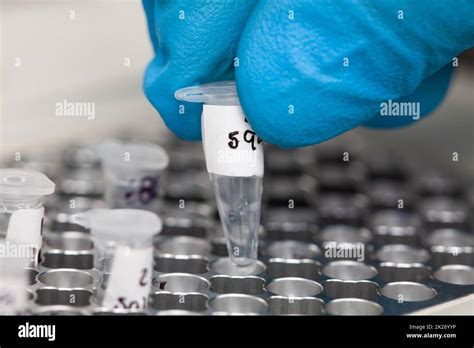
21 208
238 201
234 160
133 172
13 282
124 254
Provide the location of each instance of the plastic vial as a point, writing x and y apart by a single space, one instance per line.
21 209
133 172
124 255
234 160
13 282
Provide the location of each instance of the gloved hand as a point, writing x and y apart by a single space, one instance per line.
307 70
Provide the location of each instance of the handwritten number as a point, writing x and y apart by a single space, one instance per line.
143 277
234 142
123 303
146 191
249 137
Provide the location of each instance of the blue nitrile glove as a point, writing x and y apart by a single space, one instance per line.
307 70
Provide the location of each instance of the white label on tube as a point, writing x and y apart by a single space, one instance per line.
231 146
12 295
24 228
129 283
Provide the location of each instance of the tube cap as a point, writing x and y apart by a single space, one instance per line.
120 225
24 182
215 93
144 155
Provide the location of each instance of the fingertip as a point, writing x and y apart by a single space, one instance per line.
183 119
427 97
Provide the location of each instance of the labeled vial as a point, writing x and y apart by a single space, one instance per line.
123 239
133 172
13 281
21 209
234 161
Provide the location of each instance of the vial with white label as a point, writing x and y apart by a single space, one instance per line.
21 209
133 172
13 281
124 255
234 160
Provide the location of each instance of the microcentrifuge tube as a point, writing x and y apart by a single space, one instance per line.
133 173
21 209
234 160
13 281
123 241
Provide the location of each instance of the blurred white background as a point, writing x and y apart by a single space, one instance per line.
79 59
77 50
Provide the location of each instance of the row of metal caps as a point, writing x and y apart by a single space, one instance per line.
388 226
198 216
334 175
186 254
191 292
444 245
286 191
188 156
441 247
194 187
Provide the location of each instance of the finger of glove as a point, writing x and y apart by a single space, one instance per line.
195 43
409 109
149 8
